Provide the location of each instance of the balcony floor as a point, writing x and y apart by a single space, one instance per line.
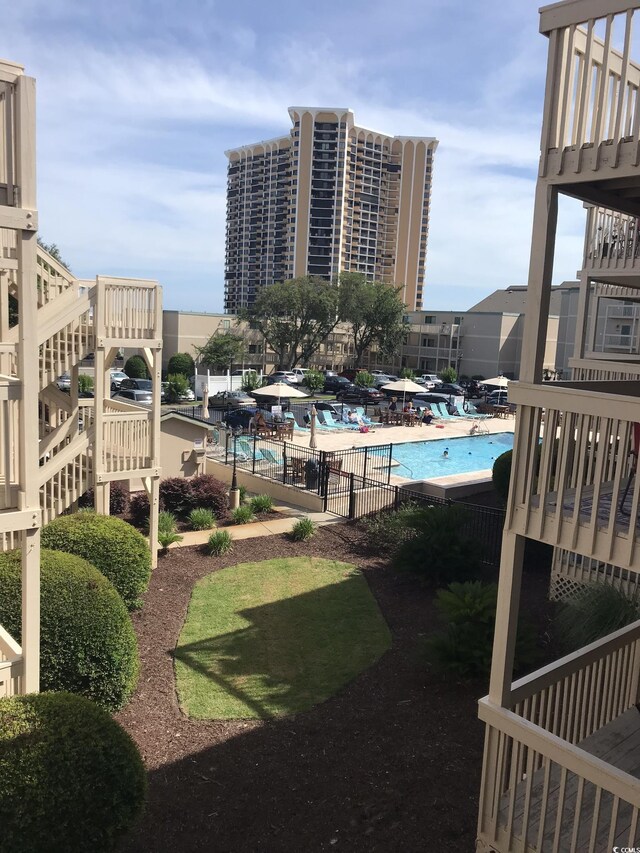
618 744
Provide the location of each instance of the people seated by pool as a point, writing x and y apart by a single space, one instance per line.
259 421
427 416
306 417
393 405
353 417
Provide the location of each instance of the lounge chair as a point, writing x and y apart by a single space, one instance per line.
360 412
472 412
248 448
270 456
289 416
328 417
442 411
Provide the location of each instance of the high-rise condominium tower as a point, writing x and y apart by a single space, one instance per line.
329 197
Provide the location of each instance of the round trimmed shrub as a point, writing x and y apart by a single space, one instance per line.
176 495
71 778
139 509
182 363
110 544
87 642
118 499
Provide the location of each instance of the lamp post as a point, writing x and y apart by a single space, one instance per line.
234 494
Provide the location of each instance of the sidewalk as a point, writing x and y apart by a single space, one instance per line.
270 527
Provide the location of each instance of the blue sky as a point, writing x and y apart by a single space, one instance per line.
137 102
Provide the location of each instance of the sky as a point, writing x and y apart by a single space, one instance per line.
139 99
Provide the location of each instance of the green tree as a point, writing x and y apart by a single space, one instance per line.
375 312
448 374
295 317
221 350
54 251
314 381
136 367
181 362
407 373
364 379
177 386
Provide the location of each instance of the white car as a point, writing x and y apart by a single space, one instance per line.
116 377
279 375
432 378
300 373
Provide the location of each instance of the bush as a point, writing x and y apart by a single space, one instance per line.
168 537
71 778
139 509
303 529
314 381
118 499
85 383
407 373
441 549
243 494
136 368
87 643
448 374
176 387
181 363
219 543
501 474
176 495
243 514
250 381
261 503
166 522
202 518
469 613
364 379
110 544
208 492
389 529
594 612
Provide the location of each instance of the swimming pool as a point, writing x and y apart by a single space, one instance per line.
424 460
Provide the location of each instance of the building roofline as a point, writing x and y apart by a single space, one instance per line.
245 148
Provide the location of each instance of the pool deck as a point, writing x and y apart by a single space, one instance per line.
476 481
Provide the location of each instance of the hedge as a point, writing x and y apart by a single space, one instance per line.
110 544
87 642
70 777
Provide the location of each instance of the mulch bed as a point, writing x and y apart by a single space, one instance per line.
392 762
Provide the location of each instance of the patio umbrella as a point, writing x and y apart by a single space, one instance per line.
312 439
498 381
402 386
278 389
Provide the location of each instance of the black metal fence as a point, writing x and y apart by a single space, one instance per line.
298 409
361 497
319 471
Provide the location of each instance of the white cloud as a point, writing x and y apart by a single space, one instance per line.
132 130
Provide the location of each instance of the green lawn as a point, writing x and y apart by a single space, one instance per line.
275 637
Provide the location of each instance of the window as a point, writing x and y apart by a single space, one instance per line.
457 321
226 324
429 318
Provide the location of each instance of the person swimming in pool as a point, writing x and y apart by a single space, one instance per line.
445 453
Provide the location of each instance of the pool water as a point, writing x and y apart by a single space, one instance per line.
424 460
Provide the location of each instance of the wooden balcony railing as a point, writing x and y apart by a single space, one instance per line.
127 441
10 665
576 487
543 786
132 310
612 241
592 88
607 371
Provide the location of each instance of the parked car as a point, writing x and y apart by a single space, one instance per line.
333 384
64 382
187 395
230 399
360 395
499 397
429 397
431 377
139 385
117 377
335 408
473 389
450 388
384 379
350 373
135 396
286 376
300 374
239 417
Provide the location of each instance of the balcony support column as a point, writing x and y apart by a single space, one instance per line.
582 319
545 217
504 641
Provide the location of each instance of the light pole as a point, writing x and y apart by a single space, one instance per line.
234 494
